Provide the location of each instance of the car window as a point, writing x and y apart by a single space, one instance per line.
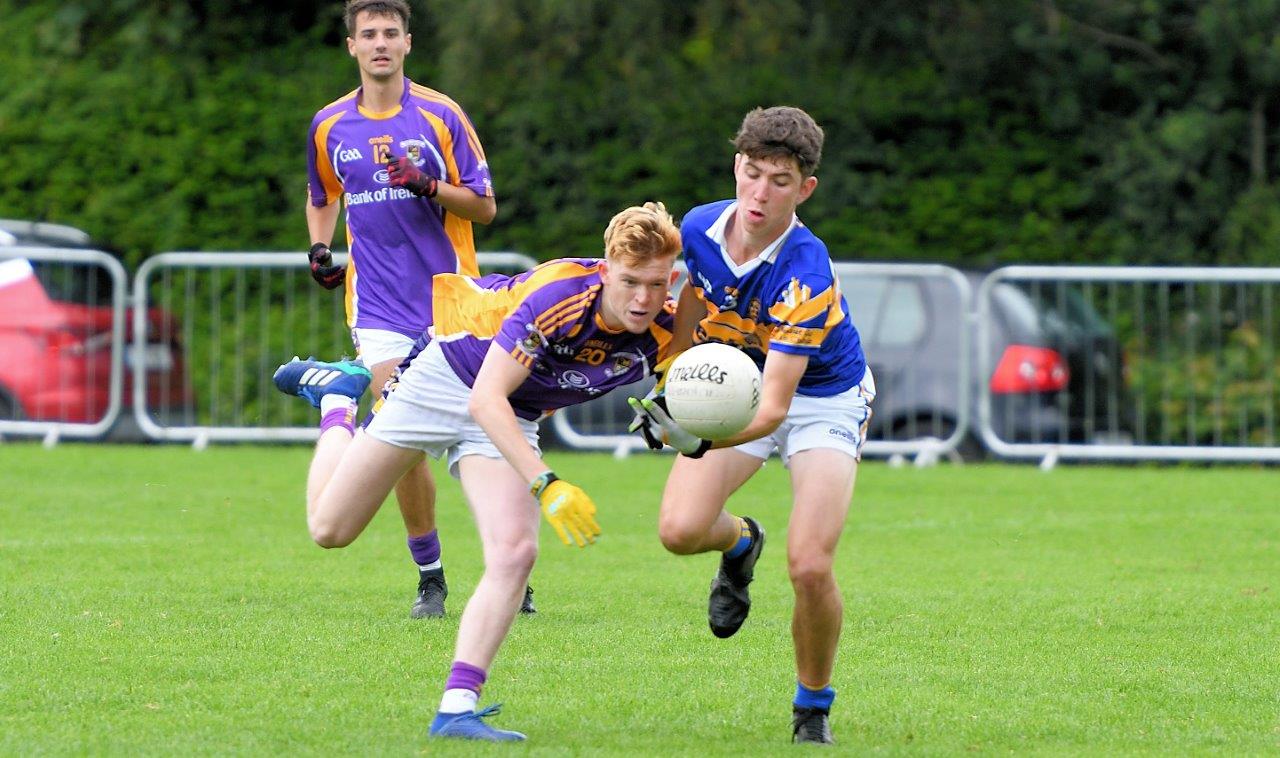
74 283
865 295
888 312
902 320
1017 313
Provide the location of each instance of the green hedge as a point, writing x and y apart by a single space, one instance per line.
973 132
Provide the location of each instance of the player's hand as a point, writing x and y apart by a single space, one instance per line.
655 423
322 269
568 509
402 173
647 427
643 423
660 371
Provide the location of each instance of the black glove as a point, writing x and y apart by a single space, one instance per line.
322 269
402 173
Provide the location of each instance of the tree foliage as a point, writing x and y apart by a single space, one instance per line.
968 131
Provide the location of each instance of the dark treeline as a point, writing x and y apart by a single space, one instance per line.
973 131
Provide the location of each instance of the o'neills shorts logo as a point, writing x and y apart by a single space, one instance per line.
702 372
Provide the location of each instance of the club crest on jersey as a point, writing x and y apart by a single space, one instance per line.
622 363
413 150
533 341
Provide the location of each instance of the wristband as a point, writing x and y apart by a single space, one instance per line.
541 482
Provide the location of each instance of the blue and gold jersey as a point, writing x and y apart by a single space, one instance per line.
786 299
549 320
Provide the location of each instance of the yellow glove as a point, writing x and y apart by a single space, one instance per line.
568 509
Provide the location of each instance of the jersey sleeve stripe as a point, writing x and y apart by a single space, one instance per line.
324 165
566 310
523 358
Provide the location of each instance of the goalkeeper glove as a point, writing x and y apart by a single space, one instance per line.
402 173
568 509
322 269
642 423
655 423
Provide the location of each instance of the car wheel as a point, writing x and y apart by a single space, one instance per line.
9 408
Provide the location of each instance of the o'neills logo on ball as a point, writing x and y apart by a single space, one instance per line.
702 372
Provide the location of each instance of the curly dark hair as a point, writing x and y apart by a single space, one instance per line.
781 132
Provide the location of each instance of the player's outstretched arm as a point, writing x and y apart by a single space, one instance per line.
567 508
782 373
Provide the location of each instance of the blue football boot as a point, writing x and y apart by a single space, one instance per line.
471 726
312 379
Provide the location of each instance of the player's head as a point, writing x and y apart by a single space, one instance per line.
779 150
640 247
378 36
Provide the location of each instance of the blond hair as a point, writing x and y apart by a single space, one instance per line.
640 234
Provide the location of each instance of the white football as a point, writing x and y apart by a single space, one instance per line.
713 390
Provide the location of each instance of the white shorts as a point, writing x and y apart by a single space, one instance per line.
427 410
374 346
838 422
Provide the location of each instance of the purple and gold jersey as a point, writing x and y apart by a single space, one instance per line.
786 299
549 320
398 240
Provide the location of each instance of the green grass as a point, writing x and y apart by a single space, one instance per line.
157 600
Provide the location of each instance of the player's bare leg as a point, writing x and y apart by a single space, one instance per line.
416 496
507 520
416 490
349 479
822 483
693 520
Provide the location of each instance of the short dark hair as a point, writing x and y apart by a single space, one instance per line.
378 8
781 132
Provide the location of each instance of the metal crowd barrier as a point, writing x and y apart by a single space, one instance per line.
237 316
62 336
1096 363
1161 363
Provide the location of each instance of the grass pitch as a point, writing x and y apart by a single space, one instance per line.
157 600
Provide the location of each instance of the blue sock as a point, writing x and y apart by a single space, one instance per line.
807 698
744 541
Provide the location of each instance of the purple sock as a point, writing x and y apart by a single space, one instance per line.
426 548
343 417
464 676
